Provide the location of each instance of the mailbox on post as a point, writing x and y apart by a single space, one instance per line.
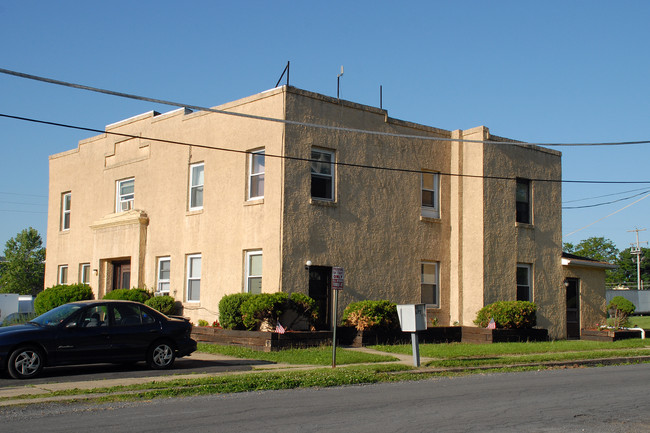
413 318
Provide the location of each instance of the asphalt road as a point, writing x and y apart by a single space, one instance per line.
606 399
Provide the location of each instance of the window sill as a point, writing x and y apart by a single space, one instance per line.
64 232
322 202
254 202
436 220
194 212
525 226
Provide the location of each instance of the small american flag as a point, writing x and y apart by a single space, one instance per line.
279 328
492 324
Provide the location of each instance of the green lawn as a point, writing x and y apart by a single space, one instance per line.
471 355
641 322
312 356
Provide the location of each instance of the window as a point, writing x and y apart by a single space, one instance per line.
523 282
322 174
125 194
254 272
66 202
196 186
523 201
194 278
429 290
63 274
131 315
256 175
164 267
430 183
84 273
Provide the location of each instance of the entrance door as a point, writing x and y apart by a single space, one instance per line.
572 307
320 289
122 275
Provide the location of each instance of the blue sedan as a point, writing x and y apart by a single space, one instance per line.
94 332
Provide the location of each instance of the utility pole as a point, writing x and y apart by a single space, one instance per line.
636 250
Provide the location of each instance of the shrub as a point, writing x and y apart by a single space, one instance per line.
619 310
230 310
61 294
265 306
165 304
371 314
508 315
203 322
304 306
135 294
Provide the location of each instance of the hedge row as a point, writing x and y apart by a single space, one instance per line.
248 311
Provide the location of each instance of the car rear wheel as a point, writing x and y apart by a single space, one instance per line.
25 362
161 355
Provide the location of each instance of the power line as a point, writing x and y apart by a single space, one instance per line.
606 203
607 216
604 195
293 122
295 158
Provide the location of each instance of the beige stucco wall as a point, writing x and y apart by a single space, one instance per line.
373 229
221 232
539 243
592 293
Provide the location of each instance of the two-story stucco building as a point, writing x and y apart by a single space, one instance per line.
204 204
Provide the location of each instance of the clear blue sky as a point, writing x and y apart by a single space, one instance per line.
553 71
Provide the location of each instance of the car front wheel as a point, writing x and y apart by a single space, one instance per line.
25 362
161 356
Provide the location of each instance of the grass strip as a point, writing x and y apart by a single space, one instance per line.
310 356
465 350
535 358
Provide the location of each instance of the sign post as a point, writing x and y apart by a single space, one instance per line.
337 284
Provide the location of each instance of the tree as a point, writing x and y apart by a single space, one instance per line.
23 272
597 248
626 271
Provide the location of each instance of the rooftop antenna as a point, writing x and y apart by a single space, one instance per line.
338 84
286 69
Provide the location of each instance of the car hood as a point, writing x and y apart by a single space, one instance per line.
17 329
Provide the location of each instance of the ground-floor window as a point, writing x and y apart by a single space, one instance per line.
164 268
524 292
253 272
193 293
63 274
429 287
84 273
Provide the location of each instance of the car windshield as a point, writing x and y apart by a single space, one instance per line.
57 315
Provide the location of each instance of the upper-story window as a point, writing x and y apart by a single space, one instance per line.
322 174
429 290
430 184
523 201
196 186
524 292
125 194
66 203
256 175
